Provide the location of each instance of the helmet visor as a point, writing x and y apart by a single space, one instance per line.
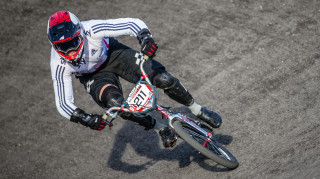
72 44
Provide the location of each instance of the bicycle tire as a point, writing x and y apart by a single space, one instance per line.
191 136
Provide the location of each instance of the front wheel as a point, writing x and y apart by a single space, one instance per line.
209 148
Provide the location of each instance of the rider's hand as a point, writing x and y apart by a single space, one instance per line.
148 46
96 122
93 121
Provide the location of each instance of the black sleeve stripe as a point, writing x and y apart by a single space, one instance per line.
115 27
107 29
61 91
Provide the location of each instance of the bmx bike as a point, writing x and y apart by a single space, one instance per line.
143 99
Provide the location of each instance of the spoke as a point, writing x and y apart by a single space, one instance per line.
193 134
203 140
220 151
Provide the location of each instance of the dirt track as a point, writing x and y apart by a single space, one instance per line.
255 62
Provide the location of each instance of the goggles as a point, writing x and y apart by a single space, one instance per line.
72 44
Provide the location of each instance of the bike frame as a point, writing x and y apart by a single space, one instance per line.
113 111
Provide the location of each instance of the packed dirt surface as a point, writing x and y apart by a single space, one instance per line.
257 63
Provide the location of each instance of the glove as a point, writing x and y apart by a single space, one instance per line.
95 122
148 46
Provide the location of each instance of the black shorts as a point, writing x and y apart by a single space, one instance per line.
122 62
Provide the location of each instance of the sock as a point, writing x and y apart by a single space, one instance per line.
159 126
195 108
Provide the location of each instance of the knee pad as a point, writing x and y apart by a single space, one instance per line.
112 96
162 79
179 93
172 87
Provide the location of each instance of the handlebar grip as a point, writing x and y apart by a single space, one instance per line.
105 116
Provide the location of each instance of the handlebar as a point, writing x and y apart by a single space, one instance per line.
113 115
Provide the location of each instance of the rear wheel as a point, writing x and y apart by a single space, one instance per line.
209 148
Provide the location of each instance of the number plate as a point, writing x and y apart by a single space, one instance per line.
140 98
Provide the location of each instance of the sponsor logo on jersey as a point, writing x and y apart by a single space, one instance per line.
87 33
63 62
82 61
93 51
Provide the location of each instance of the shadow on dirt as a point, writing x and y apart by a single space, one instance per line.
131 135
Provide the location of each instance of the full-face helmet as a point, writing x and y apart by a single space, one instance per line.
65 35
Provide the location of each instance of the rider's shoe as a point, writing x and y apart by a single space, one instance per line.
168 137
210 117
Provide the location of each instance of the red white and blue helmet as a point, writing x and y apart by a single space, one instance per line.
65 34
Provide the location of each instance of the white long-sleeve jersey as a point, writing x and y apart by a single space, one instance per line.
96 44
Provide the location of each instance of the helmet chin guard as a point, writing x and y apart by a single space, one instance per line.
76 61
73 59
